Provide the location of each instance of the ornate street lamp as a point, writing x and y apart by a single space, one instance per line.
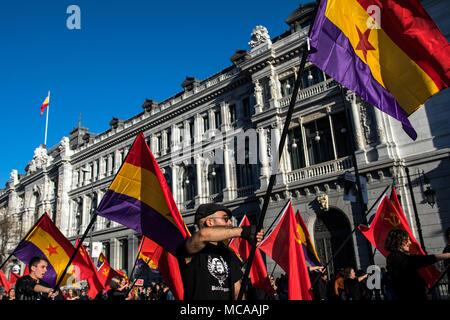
430 195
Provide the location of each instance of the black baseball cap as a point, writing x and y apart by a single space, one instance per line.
207 209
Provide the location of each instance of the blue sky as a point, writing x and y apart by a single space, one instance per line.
125 52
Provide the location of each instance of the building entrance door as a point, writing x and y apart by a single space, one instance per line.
330 230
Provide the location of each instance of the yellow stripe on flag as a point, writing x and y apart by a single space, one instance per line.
141 184
389 65
54 252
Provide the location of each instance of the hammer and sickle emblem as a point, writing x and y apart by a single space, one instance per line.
393 219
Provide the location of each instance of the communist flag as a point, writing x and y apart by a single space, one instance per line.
282 246
95 286
149 253
258 271
305 240
386 218
45 103
395 62
13 277
45 240
4 282
104 271
140 199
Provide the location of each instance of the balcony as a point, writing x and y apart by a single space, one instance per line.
321 169
309 92
246 191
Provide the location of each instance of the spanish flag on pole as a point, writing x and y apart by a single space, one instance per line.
391 53
45 103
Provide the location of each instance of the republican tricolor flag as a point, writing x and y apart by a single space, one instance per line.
45 103
47 241
140 199
389 52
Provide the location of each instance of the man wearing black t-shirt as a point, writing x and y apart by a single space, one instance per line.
210 270
31 287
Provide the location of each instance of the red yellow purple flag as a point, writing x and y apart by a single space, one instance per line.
389 52
140 199
305 240
45 240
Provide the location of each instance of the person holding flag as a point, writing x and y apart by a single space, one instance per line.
209 269
32 287
403 267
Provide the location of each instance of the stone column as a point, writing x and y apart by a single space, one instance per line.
164 141
109 165
62 205
229 191
225 113
101 167
174 168
199 198
356 120
264 159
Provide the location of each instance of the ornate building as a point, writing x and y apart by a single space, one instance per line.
217 139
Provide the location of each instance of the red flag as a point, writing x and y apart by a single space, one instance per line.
283 245
156 257
4 282
258 271
386 218
95 286
26 271
170 270
149 252
13 277
104 272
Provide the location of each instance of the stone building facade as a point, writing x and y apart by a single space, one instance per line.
217 139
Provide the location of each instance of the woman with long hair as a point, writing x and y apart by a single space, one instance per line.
403 267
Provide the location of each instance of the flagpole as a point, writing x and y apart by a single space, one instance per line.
94 217
76 251
46 120
305 51
137 257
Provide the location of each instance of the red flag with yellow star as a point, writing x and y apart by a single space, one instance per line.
386 218
46 240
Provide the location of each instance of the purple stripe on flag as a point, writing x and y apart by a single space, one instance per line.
142 218
308 256
332 52
27 250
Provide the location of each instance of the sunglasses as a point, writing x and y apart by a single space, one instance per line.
226 218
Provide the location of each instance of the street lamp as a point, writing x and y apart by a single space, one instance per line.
430 194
